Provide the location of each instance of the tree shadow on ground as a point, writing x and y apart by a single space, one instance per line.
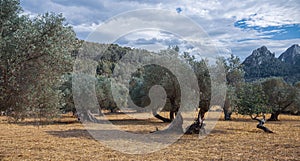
72 120
255 130
81 133
216 131
136 122
115 135
44 123
84 133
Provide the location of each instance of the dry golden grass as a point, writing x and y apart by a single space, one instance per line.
230 140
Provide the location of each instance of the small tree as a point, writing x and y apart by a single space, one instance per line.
280 95
252 101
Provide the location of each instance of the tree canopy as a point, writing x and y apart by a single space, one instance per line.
35 53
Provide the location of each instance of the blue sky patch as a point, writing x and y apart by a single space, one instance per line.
283 32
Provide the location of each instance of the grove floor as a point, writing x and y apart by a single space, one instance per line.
68 139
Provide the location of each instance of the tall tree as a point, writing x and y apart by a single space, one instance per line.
36 52
201 70
234 79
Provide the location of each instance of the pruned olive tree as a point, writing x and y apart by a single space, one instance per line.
150 75
280 95
252 101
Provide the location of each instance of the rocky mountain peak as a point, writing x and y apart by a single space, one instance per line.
262 63
291 55
259 56
262 51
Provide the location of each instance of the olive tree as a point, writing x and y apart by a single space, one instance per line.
252 101
280 95
234 78
36 52
150 75
297 98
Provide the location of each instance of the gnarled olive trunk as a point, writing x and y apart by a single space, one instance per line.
227 109
274 116
198 126
227 114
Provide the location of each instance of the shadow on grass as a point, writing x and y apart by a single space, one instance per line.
112 136
135 122
215 131
81 133
254 130
44 123
248 120
70 120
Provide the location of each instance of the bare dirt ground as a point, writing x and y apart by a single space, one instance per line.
230 140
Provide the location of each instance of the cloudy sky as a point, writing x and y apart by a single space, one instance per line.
233 26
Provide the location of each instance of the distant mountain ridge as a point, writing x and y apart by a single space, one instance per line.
262 63
291 55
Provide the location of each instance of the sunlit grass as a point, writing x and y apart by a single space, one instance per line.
67 139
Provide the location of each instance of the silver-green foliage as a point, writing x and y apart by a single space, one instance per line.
35 53
251 100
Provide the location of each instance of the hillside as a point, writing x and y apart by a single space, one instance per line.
262 63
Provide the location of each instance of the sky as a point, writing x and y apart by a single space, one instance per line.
234 27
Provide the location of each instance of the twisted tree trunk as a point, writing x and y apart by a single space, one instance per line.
261 123
198 126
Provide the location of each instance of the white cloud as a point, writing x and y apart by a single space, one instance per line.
86 27
217 18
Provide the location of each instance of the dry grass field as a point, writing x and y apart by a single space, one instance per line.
230 140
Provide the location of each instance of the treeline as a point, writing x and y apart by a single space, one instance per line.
36 75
